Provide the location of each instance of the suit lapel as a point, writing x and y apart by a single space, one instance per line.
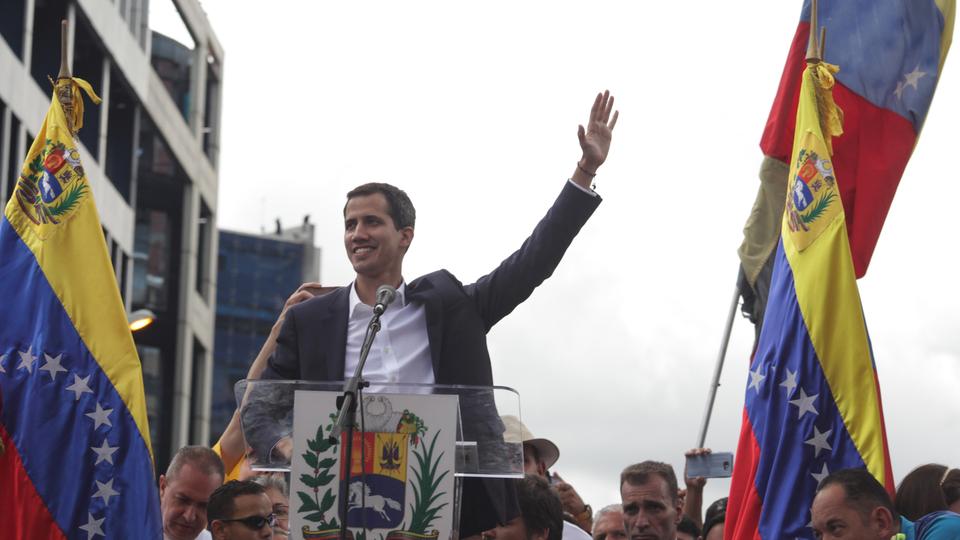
331 333
422 290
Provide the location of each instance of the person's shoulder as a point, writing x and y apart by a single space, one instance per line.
572 532
205 535
321 303
941 526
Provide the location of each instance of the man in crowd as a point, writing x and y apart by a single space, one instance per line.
608 523
539 455
851 504
541 517
194 473
241 510
687 529
651 505
437 326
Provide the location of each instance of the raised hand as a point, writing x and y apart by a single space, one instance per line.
595 138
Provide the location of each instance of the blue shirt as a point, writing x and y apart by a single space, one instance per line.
935 526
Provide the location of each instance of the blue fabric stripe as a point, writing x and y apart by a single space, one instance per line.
49 427
784 479
877 43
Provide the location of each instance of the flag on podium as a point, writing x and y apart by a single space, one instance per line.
812 401
892 53
76 460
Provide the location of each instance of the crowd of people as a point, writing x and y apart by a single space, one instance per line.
198 503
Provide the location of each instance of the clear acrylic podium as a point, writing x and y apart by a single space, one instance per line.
485 446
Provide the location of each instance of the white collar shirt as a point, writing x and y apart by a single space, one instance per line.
400 351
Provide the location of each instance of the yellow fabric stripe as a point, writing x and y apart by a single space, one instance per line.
830 303
73 257
828 297
949 10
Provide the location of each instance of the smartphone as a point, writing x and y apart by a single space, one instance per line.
715 465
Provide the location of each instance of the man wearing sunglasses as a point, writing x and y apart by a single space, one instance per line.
241 510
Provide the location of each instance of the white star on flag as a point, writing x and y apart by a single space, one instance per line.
790 382
93 526
805 404
755 379
912 78
105 491
819 441
27 359
898 91
53 365
79 387
819 476
105 452
100 417
2 360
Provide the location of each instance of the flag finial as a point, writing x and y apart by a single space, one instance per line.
814 52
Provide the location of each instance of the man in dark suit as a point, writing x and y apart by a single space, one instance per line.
435 332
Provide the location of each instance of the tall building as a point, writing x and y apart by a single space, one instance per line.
150 151
256 274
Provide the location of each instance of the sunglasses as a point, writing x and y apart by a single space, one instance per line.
255 522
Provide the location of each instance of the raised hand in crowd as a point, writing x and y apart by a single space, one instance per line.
573 504
693 499
232 444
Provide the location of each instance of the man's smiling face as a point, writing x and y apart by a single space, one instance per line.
374 245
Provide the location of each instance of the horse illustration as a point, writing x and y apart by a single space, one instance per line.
359 491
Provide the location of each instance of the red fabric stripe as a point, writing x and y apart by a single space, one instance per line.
869 157
887 466
22 511
744 505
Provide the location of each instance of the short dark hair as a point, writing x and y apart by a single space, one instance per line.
200 457
640 473
221 500
951 486
861 490
687 525
399 206
540 507
920 493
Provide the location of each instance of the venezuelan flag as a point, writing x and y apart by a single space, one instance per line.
812 403
76 459
892 53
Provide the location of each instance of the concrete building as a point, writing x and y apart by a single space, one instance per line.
150 151
256 274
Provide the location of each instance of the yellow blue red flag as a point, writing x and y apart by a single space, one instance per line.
76 459
812 403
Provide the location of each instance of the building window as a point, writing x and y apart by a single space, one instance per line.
211 111
151 361
122 136
151 256
204 228
45 45
88 64
11 25
172 53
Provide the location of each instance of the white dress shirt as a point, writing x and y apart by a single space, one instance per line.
401 350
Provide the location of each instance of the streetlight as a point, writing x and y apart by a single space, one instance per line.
140 319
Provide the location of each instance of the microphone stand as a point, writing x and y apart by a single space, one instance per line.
347 414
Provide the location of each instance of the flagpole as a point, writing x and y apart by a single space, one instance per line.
64 68
715 383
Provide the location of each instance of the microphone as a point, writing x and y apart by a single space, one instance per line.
385 296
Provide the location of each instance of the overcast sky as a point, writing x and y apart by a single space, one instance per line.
472 108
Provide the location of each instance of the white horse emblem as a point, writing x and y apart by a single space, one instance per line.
360 493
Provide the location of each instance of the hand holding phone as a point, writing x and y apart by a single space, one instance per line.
710 465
